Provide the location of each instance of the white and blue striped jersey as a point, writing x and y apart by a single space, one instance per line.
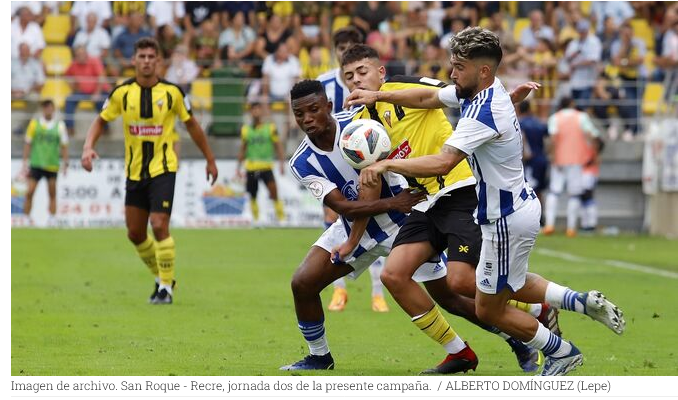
321 172
489 132
335 89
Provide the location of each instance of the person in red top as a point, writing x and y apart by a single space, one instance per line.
87 78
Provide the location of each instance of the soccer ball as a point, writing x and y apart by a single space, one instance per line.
364 142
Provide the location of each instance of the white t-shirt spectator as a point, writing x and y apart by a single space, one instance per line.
590 49
32 36
528 37
101 8
25 76
228 38
95 42
282 75
620 11
165 12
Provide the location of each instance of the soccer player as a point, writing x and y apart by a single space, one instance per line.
445 220
149 106
337 91
318 165
46 137
571 132
258 143
508 212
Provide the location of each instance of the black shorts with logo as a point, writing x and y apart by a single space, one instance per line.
253 177
155 194
39 173
449 224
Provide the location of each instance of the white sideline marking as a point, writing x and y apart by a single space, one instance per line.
610 263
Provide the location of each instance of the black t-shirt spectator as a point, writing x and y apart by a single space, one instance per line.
200 11
373 17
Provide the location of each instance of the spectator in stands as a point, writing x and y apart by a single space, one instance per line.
182 70
537 29
122 10
237 41
619 11
28 77
460 9
96 39
198 12
499 26
39 9
542 63
668 60
205 45
526 7
316 63
607 36
456 26
275 34
418 34
168 40
25 30
628 55
583 56
368 15
434 63
166 13
281 71
88 82
123 45
535 160
311 23
228 10
81 9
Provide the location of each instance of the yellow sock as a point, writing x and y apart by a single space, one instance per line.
279 211
255 209
520 305
146 251
165 255
435 326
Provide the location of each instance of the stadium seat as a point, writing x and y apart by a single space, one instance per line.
518 26
18 104
642 30
340 21
585 7
57 90
653 98
56 59
201 92
649 62
56 28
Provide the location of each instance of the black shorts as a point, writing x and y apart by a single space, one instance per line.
154 195
39 173
253 177
449 224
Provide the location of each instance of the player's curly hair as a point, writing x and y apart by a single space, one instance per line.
306 87
474 42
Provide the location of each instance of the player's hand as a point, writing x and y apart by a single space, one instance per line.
212 171
522 91
360 96
88 155
339 253
405 200
370 176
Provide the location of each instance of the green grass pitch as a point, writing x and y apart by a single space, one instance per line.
79 308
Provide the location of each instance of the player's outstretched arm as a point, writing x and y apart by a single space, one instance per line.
200 140
522 91
402 202
417 167
411 98
93 135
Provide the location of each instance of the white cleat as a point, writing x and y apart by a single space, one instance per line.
557 366
602 310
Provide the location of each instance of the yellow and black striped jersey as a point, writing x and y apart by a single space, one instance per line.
419 132
148 116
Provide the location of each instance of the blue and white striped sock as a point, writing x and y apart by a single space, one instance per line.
549 344
565 298
314 333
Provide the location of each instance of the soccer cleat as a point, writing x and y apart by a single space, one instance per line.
555 366
339 300
571 233
164 296
453 363
379 304
155 292
602 310
549 318
548 230
529 359
311 362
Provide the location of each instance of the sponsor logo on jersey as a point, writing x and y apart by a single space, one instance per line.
145 130
463 249
349 192
485 282
487 270
401 151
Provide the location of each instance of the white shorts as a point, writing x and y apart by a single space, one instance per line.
566 177
507 243
588 181
336 235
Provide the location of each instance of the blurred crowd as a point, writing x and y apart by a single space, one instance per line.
602 54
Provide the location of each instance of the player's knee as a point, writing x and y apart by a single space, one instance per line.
486 314
136 237
459 283
302 286
160 227
391 279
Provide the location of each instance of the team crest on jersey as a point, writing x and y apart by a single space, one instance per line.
316 189
349 192
160 103
387 118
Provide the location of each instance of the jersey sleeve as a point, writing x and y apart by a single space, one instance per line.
111 108
448 96
183 107
30 131
588 126
318 185
243 132
469 135
63 133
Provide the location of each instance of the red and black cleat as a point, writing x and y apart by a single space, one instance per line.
453 363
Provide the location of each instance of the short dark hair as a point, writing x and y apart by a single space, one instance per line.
147 43
524 107
565 102
473 43
349 34
357 53
305 88
47 102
